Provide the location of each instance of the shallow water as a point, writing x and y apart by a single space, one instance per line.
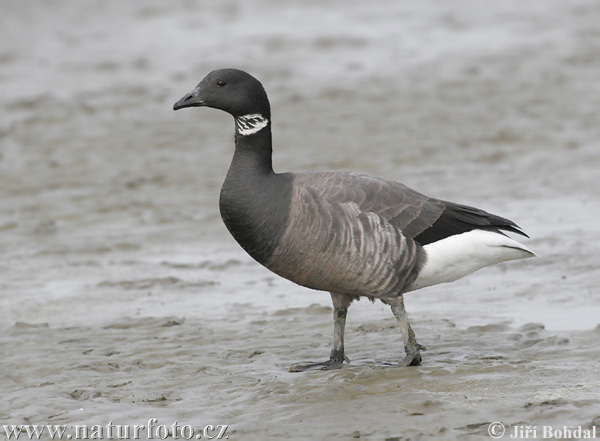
123 298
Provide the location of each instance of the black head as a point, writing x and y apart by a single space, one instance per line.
234 91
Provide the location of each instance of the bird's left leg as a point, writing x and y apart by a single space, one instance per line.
411 347
341 302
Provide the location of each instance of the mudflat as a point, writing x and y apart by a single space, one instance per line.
123 298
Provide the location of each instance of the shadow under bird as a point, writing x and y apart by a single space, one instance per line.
346 233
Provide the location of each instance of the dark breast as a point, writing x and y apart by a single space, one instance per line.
256 212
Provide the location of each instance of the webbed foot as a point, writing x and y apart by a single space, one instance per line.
413 356
335 362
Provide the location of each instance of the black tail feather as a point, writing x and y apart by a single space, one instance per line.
458 219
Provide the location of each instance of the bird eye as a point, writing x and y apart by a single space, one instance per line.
221 83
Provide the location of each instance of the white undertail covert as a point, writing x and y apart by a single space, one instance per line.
456 256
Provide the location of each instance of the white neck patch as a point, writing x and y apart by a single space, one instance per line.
250 124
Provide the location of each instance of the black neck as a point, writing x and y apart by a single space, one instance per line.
253 153
254 200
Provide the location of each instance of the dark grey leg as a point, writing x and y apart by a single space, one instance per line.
341 302
411 347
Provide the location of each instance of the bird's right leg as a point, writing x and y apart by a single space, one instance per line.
341 302
411 347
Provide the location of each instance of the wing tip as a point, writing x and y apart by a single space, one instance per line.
514 228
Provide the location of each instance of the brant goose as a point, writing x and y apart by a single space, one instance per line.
350 234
